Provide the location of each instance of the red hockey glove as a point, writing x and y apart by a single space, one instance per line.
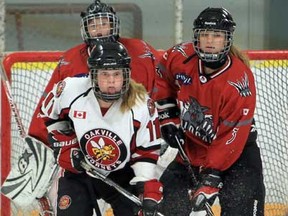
207 189
66 150
152 197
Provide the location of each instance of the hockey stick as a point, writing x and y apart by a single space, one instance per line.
36 165
164 160
188 166
94 173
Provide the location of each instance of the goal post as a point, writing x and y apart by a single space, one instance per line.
29 72
270 69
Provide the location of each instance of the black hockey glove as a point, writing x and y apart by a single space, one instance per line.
173 135
207 189
76 157
151 193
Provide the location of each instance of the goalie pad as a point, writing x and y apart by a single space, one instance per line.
32 176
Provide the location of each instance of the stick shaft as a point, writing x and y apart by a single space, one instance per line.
188 166
120 189
108 181
187 162
16 113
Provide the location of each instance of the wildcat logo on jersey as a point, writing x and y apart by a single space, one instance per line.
242 86
103 148
196 121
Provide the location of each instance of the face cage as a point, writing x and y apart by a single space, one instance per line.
114 27
110 97
212 57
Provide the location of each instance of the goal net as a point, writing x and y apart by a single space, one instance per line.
271 76
29 73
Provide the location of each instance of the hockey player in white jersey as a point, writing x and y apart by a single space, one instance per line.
109 121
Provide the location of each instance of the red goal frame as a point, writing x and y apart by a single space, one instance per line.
8 60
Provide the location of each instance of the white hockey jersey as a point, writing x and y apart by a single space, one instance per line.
112 140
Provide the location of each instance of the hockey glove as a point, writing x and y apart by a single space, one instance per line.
151 197
207 189
76 158
66 149
173 135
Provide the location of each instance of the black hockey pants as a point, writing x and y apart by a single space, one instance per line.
243 192
77 194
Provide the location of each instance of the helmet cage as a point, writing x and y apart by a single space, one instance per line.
90 20
208 56
110 97
218 20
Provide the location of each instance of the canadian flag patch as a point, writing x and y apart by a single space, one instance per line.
79 114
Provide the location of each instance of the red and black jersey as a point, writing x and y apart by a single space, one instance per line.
216 109
74 64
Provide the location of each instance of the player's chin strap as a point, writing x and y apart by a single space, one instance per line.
95 174
208 211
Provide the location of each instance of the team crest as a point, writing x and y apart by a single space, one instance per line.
60 88
64 202
196 120
103 149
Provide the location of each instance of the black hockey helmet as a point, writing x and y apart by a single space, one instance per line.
99 10
213 19
109 55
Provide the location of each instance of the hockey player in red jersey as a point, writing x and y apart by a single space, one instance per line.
209 84
99 23
109 121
